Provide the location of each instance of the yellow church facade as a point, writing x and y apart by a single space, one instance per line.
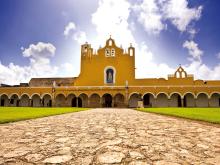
107 79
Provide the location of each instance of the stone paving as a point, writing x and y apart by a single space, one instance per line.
110 136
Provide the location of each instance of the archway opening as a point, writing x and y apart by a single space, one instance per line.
162 100
202 100
133 100
83 100
70 101
36 101
119 100
148 100
94 100
47 101
24 101
60 100
107 100
188 100
4 100
14 101
175 100
215 100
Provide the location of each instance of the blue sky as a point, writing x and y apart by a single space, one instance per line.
42 38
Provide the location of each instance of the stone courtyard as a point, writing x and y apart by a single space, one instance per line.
110 136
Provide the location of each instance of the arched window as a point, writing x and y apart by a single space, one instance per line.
109 76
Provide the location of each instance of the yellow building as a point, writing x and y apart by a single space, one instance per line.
107 79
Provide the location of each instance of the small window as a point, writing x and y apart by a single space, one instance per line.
107 52
113 52
110 43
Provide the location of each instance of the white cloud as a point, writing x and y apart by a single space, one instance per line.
80 37
111 17
202 71
178 12
146 67
75 33
39 66
192 32
152 14
197 67
69 27
193 50
67 68
39 50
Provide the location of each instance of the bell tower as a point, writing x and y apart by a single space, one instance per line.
86 50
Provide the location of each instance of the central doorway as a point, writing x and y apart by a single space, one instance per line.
107 100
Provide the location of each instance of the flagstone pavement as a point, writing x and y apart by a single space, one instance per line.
110 136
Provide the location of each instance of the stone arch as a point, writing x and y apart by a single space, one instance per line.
94 100
60 100
35 100
35 94
42 96
71 100
129 96
47 100
25 100
60 93
84 100
133 100
4 100
13 94
29 96
214 99
107 100
175 93
14 100
175 100
119 100
189 99
202 100
148 99
162 100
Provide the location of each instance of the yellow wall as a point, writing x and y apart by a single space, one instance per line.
92 74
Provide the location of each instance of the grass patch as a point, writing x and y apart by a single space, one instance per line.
203 114
12 114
